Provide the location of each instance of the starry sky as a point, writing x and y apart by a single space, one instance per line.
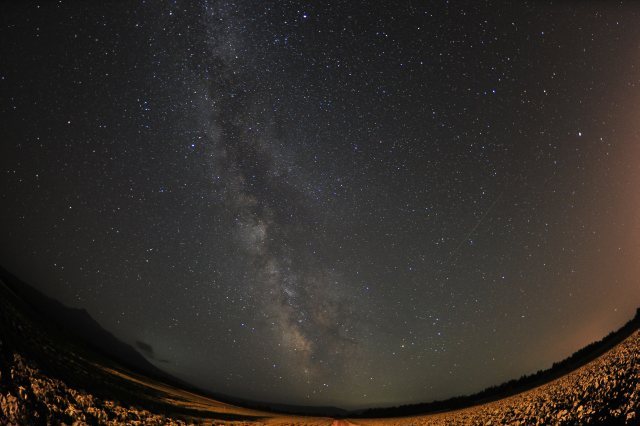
339 203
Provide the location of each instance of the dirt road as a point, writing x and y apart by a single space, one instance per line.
342 423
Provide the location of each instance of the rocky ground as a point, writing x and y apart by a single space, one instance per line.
605 391
29 397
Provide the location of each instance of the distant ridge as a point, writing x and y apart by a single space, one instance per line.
79 324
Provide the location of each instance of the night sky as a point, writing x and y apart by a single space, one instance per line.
327 203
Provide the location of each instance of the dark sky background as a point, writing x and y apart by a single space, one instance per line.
348 203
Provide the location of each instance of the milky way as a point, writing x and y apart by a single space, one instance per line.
301 302
347 203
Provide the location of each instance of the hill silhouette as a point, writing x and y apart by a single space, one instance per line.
78 323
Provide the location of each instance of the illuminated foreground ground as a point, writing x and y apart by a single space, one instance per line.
607 388
47 379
